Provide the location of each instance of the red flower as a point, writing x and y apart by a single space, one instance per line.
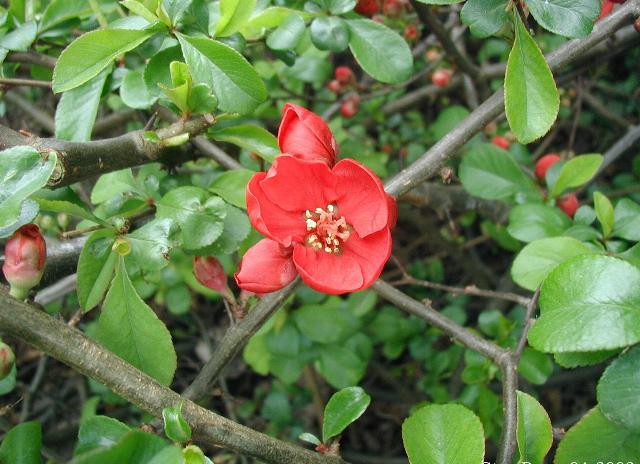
344 75
303 134
367 7
332 226
24 254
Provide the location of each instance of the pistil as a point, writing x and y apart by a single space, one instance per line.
327 230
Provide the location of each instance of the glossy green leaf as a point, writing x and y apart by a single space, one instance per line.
76 112
98 432
151 243
232 186
380 51
59 11
157 72
534 366
23 171
22 444
484 17
130 328
536 260
432 435
252 138
90 53
343 408
288 34
138 7
570 18
135 447
490 172
235 83
576 172
594 439
95 268
588 303
234 14
341 367
175 427
134 91
201 218
20 39
531 96
439 2
65 200
534 433
325 324
604 212
28 212
619 390
627 220
330 33
533 221
587 358
175 9
236 229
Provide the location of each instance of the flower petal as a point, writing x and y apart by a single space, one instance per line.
266 267
393 212
271 220
296 185
305 135
362 200
371 253
326 272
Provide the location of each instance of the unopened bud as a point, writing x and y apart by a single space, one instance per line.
7 360
210 273
24 258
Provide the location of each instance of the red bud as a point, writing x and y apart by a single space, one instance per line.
544 163
500 141
569 204
24 258
441 77
344 75
350 107
210 273
7 360
367 7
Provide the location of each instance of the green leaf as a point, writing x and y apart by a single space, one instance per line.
99 432
23 171
330 33
432 435
175 427
20 39
589 358
343 408
288 34
65 200
533 221
627 220
340 366
594 439
157 72
175 9
604 212
76 112
28 212
236 229
440 2
380 51
137 7
22 444
536 260
232 186
113 184
136 447
588 303
570 18
252 138
576 172
619 390
130 328
134 91
234 14
269 18
325 324
534 433
90 53
531 96
95 268
490 172
484 17
201 218
151 244
59 11
338 7
235 83
534 366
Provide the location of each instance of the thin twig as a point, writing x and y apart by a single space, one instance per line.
531 309
18 82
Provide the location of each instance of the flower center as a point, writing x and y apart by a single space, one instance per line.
327 230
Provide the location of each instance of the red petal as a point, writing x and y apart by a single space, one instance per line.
393 212
305 135
271 220
371 254
362 200
265 267
327 273
296 185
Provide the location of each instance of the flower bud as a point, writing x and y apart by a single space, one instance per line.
367 7
344 75
7 360
441 77
500 141
24 259
210 273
